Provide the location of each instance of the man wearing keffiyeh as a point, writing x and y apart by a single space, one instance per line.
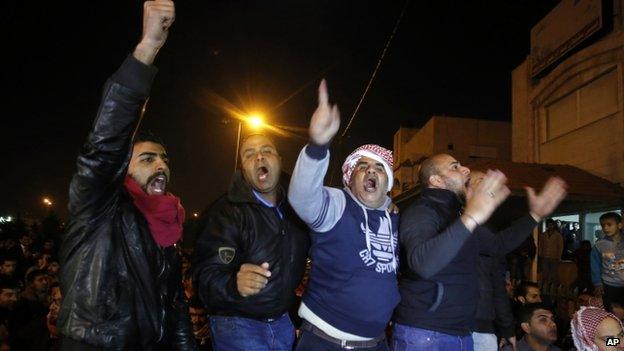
352 289
594 329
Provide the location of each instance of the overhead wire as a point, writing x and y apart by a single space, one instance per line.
370 81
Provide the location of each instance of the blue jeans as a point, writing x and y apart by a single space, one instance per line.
244 334
406 338
484 341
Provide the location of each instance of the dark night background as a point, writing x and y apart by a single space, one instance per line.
448 57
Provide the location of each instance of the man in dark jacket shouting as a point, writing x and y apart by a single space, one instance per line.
120 272
250 256
441 241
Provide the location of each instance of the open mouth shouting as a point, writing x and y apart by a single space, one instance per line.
262 173
370 184
157 184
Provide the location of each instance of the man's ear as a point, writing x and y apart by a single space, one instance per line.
435 180
525 327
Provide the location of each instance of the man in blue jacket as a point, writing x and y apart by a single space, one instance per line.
352 289
441 240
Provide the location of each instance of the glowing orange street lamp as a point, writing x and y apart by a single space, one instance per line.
47 202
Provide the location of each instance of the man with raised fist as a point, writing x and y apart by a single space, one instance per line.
120 274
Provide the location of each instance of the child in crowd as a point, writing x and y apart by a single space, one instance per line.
607 261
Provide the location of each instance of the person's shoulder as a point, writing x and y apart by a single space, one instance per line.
221 207
421 205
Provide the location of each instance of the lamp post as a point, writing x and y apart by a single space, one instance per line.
254 121
240 127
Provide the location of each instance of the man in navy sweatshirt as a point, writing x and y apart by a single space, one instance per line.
441 241
353 288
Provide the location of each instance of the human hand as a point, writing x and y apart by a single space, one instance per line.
544 203
251 278
485 198
325 121
158 16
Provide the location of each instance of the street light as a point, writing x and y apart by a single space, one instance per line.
255 121
47 201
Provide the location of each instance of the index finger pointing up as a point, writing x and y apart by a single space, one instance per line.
323 96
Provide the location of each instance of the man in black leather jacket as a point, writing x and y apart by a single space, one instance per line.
120 274
250 256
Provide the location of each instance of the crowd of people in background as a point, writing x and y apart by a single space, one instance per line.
29 293
30 296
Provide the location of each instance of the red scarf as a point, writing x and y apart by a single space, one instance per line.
164 213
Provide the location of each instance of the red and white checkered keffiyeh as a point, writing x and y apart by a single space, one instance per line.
373 151
585 325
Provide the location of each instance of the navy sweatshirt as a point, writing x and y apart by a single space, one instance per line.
353 288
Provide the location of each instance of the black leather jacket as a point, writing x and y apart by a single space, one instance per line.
121 291
239 224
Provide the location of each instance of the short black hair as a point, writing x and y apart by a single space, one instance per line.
147 135
32 275
550 221
523 288
526 311
248 136
611 215
427 168
5 257
6 283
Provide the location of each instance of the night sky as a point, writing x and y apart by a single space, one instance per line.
448 57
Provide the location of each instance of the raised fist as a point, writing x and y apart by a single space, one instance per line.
158 16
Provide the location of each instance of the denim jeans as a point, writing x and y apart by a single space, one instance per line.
310 342
406 338
485 341
244 334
